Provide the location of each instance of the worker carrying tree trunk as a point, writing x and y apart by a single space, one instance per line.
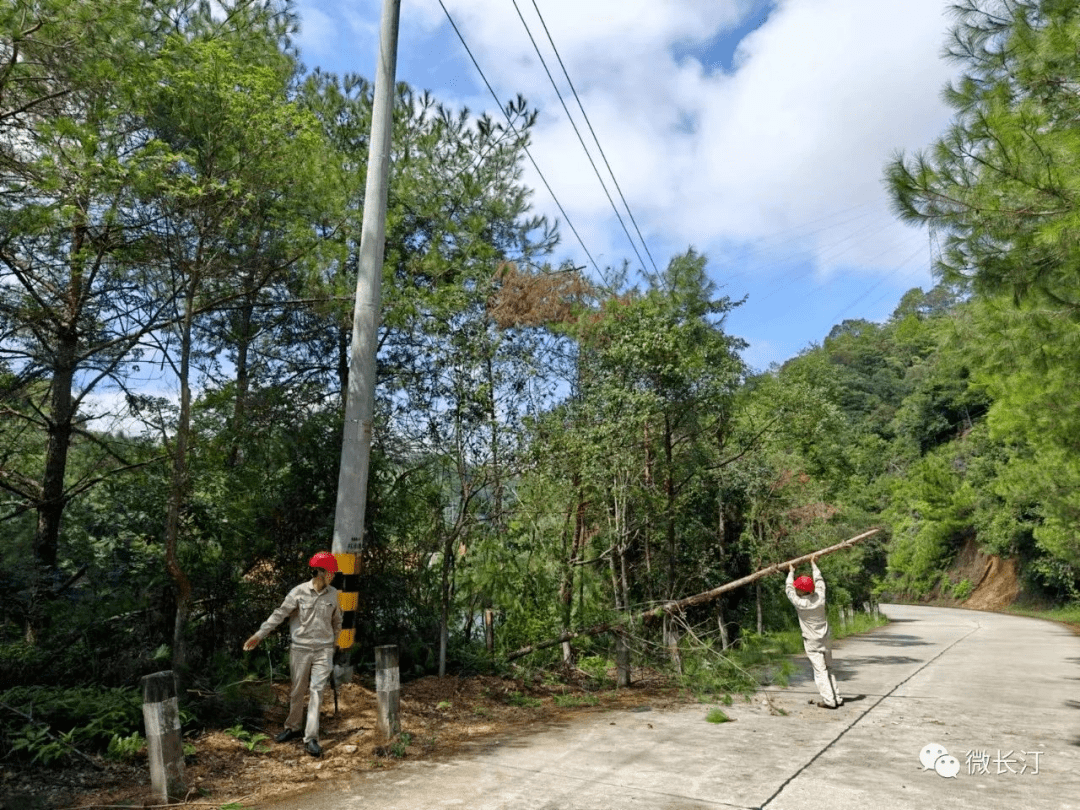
808 597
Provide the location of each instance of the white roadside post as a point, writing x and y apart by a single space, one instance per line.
165 750
388 691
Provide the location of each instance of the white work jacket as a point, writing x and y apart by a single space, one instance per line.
314 618
813 619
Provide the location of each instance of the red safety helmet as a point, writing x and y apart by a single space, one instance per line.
804 584
324 559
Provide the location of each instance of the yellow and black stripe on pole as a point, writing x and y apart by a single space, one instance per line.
347 583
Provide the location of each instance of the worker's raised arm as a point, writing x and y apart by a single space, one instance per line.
819 580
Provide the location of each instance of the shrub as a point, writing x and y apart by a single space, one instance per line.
87 718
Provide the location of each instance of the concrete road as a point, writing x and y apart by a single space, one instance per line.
1000 694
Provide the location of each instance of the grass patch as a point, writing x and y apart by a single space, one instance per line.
518 699
861 622
1067 614
574 701
717 715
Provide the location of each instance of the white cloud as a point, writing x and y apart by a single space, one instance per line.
822 94
780 157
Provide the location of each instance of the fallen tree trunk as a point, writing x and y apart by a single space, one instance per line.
689 601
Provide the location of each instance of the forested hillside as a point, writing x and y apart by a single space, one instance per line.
179 221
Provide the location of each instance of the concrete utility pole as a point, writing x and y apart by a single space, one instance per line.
360 398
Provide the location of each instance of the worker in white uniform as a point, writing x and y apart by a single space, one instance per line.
315 619
808 597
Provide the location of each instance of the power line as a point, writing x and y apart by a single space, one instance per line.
644 244
878 283
495 96
581 140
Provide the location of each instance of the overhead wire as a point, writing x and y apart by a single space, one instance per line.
793 235
878 283
592 131
532 160
786 246
578 133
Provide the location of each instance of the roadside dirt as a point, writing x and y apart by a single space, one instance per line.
438 717
995 580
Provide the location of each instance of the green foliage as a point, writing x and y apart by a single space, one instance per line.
125 749
597 668
1004 216
250 740
755 661
398 748
575 701
36 743
716 715
86 718
962 589
525 701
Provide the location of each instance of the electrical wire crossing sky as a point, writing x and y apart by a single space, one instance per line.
754 131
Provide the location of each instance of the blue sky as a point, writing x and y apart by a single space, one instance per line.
755 131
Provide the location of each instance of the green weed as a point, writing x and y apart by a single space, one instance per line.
574 701
65 719
717 715
250 741
125 749
397 748
596 667
518 699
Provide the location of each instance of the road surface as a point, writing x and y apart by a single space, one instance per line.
999 694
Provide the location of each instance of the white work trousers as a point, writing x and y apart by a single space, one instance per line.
309 670
820 656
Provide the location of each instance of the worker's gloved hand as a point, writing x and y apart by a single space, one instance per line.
251 643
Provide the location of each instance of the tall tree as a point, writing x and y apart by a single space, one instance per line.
249 163
1001 186
73 294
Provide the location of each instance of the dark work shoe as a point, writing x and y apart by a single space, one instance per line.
288 734
313 748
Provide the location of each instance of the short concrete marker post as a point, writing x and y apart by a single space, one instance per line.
161 714
388 691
